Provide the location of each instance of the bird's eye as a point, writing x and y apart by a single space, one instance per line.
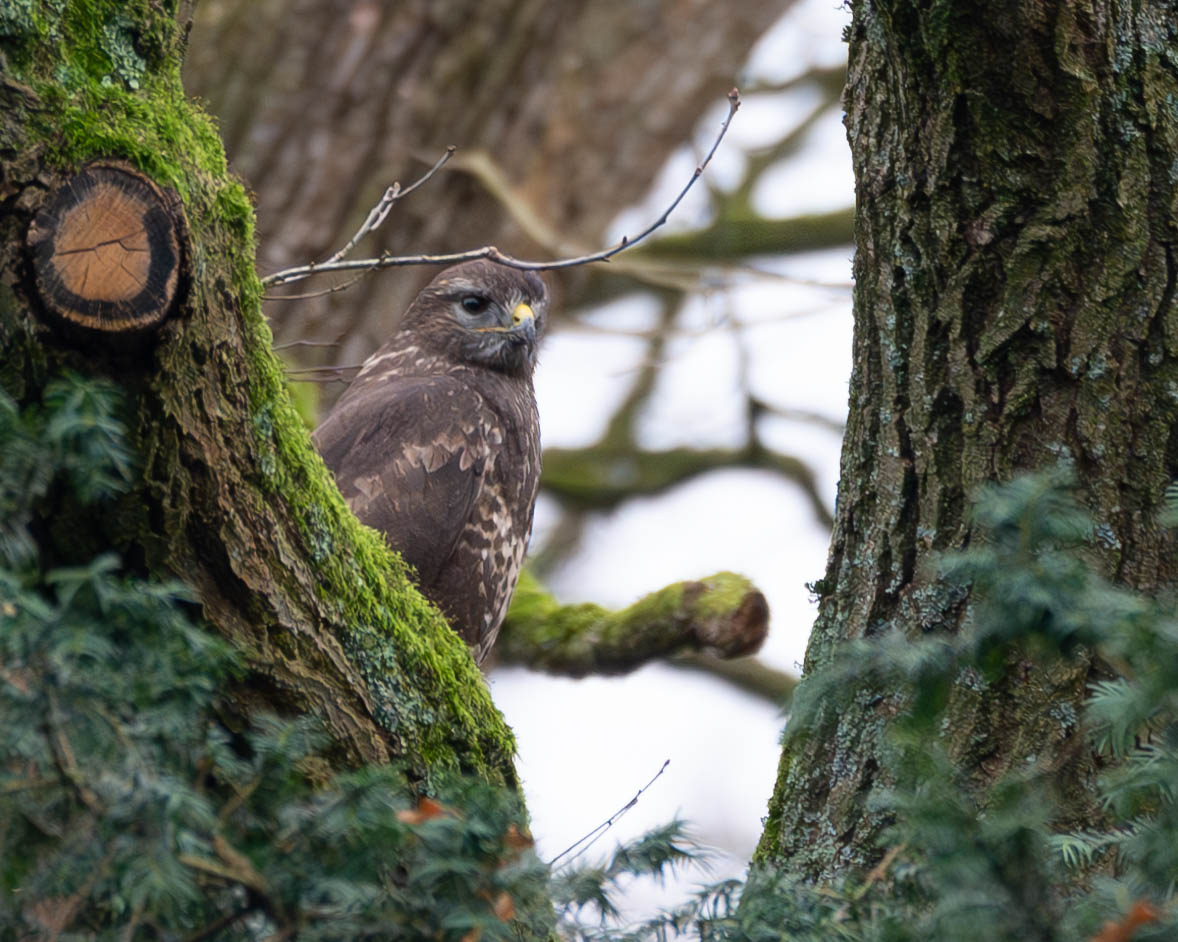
474 304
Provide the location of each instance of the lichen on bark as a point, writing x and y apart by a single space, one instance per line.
1017 206
231 495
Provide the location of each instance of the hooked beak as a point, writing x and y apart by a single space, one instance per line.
523 324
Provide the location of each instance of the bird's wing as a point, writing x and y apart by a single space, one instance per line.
409 455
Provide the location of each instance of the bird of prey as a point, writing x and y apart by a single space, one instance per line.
436 443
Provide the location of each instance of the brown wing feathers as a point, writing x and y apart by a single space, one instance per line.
436 443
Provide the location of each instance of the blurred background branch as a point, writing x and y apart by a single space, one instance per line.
574 124
724 614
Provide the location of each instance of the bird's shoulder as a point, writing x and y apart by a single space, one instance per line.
424 419
410 456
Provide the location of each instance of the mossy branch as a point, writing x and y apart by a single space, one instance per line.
724 613
602 476
730 238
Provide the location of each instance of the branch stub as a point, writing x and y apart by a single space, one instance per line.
109 250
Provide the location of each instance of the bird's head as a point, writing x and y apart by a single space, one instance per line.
483 313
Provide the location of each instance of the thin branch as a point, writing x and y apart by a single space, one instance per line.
325 369
321 374
379 213
607 824
493 254
322 292
491 178
217 926
376 216
798 415
749 674
834 78
601 477
305 343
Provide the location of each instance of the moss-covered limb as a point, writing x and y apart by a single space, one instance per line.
231 496
602 476
1014 307
724 613
737 238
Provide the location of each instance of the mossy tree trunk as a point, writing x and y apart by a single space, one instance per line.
230 495
1016 167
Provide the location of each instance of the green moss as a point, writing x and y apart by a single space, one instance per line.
769 849
112 89
400 642
107 77
576 640
723 593
112 42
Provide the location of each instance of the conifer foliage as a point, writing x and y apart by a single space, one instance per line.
957 865
132 807
128 808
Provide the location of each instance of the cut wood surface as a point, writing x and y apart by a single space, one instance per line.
108 250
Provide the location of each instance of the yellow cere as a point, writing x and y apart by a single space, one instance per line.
521 313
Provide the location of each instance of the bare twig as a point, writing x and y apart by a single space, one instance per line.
322 292
834 77
376 216
381 210
305 343
325 369
606 825
322 374
749 674
217 926
577 323
493 254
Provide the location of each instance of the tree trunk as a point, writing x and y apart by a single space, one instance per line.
1017 207
230 495
563 111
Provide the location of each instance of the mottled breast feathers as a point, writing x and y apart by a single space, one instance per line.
437 443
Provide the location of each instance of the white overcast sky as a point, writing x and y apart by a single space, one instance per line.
587 746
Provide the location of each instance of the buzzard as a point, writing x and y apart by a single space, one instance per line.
436 443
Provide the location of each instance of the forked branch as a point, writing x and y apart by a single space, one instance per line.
289 275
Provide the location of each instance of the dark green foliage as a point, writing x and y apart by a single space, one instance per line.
961 864
590 889
76 438
992 866
129 809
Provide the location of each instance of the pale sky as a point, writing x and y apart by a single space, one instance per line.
587 746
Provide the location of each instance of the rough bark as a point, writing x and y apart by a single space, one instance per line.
231 496
572 107
1017 208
